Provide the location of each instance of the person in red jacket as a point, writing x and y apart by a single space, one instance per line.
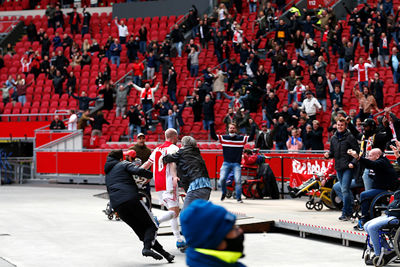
138 68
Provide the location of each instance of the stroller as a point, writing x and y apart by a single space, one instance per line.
318 188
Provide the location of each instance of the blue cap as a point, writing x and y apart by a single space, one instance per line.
205 225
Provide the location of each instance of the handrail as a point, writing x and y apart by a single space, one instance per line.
126 74
216 66
33 114
69 136
178 22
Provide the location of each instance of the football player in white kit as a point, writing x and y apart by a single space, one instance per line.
166 182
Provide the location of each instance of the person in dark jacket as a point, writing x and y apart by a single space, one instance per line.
317 136
220 244
108 96
57 124
124 199
265 137
97 124
208 112
281 133
370 138
342 141
83 100
382 174
192 171
171 82
376 87
74 21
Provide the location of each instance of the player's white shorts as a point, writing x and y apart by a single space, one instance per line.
169 199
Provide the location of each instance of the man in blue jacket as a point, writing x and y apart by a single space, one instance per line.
232 147
212 237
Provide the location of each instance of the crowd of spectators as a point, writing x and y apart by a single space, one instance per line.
241 77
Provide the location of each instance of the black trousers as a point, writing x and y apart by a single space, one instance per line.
135 213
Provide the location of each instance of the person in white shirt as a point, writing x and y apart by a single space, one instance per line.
166 182
362 69
237 38
122 31
72 121
311 106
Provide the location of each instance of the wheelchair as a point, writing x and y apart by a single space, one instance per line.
319 189
389 234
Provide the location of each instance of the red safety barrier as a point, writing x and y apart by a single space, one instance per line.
20 129
46 137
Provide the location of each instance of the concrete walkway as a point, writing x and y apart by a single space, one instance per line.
62 226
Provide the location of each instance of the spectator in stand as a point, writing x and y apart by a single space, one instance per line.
320 84
45 66
166 64
122 30
362 69
197 107
177 39
294 115
85 45
58 81
294 142
366 101
57 124
84 101
163 106
83 121
76 59
72 121
172 84
336 91
50 13
383 50
121 100
74 21
97 123
317 136
151 65
204 34
25 65
6 93
71 82
115 52
229 118
193 57
100 79
67 41
208 112
290 84
21 90
95 47
394 61
311 105
143 39
237 37
10 50
281 135
86 59
132 47
170 121
107 93
376 87
147 98
138 69
135 121
61 62
57 41
265 138
281 33
32 32
219 84
270 103
86 21
107 73
58 18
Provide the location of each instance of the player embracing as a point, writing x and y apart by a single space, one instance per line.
166 182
